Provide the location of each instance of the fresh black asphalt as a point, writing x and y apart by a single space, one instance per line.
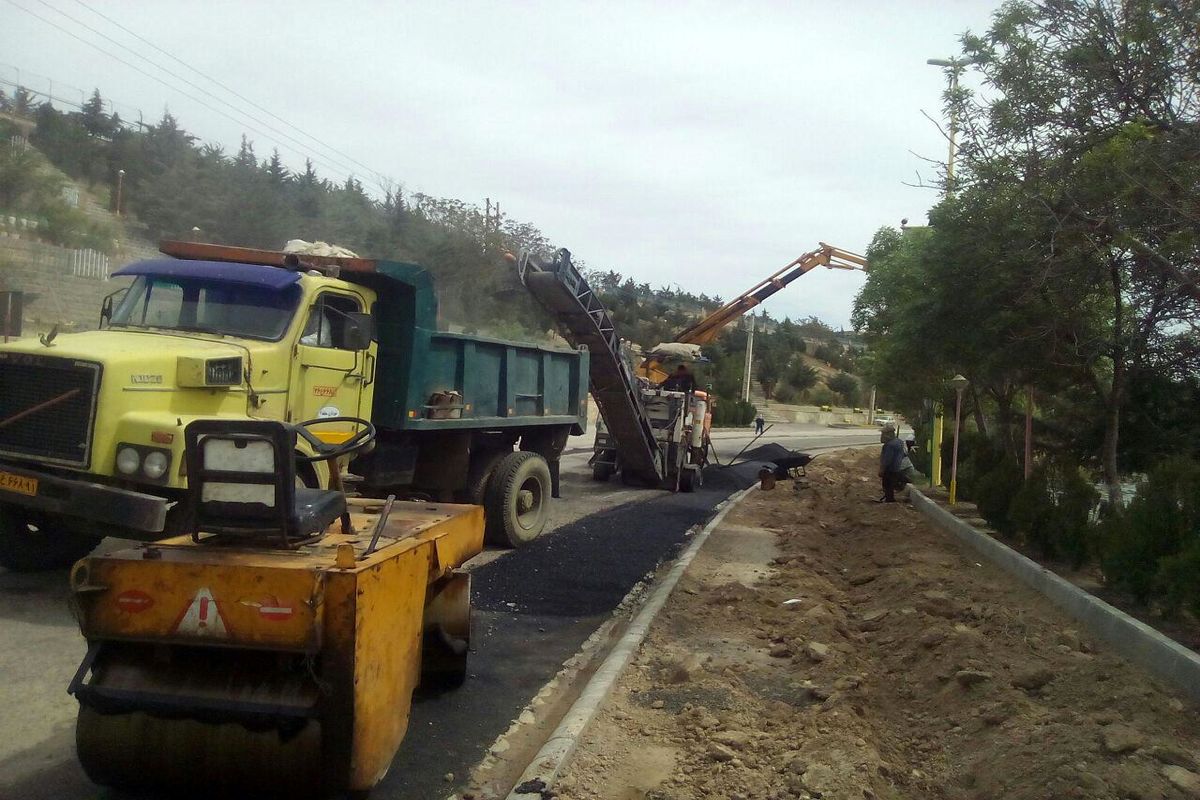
533 609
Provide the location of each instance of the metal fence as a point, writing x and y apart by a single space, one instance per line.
89 264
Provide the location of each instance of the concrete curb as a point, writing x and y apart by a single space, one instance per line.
1162 657
548 764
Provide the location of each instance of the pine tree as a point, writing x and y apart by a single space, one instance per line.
276 171
94 120
246 159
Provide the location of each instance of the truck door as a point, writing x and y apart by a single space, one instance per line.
330 379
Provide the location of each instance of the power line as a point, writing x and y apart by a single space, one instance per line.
340 166
232 91
336 171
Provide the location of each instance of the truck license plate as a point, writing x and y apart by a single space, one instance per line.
18 483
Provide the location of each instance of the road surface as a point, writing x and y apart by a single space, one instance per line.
535 607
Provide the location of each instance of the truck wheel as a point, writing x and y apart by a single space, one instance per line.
602 472
517 501
687 480
30 542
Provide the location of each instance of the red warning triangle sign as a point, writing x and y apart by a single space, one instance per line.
202 617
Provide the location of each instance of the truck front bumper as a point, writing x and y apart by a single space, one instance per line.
97 504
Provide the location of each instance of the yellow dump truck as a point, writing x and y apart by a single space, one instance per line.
274 648
91 423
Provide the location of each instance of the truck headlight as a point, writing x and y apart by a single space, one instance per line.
223 372
128 460
155 465
140 461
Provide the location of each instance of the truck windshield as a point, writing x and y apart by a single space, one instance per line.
186 304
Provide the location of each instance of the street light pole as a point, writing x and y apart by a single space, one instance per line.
959 383
955 66
120 182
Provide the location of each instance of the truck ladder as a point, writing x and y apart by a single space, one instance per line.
583 320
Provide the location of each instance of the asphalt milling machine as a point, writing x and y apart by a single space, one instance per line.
650 434
274 649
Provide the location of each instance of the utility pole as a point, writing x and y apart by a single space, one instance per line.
748 372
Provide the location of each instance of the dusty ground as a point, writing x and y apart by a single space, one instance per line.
824 646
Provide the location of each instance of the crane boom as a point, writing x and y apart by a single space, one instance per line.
826 255
707 329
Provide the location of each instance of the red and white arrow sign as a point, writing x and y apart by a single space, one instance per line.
270 608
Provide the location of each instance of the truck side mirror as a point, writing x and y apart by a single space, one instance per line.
107 304
359 331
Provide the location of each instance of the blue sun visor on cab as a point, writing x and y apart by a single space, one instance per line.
224 271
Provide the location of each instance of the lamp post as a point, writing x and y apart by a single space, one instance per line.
955 66
120 183
959 383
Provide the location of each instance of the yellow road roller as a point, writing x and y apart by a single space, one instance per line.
274 648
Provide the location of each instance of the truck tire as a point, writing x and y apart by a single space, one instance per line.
517 499
687 480
30 542
602 472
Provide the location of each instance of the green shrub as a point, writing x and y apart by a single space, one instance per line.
800 376
1052 510
821 396
846 386
1147 547
1179 581
993 493
733 413
977 457
784 393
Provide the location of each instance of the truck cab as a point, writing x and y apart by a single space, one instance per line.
91 423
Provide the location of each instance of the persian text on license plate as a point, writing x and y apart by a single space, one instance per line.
18 483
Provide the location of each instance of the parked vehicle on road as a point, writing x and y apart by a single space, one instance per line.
91 424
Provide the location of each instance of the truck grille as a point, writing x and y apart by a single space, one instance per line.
46 408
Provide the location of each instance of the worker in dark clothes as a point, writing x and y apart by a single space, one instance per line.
681 381
760 424
891 458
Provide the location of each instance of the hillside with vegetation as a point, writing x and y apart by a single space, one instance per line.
177 187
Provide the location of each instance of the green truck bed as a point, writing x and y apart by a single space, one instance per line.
499 384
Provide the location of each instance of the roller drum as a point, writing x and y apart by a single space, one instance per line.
138 751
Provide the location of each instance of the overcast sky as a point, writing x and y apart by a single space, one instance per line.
696 144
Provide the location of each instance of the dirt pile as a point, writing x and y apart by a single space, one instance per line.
824 646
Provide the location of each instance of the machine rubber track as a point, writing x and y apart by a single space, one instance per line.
583 320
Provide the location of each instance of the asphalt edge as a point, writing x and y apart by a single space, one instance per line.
1136 641
550 761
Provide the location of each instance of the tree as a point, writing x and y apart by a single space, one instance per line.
22 103
1109 170
800 376
276 171
94 120
846 385
771 365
